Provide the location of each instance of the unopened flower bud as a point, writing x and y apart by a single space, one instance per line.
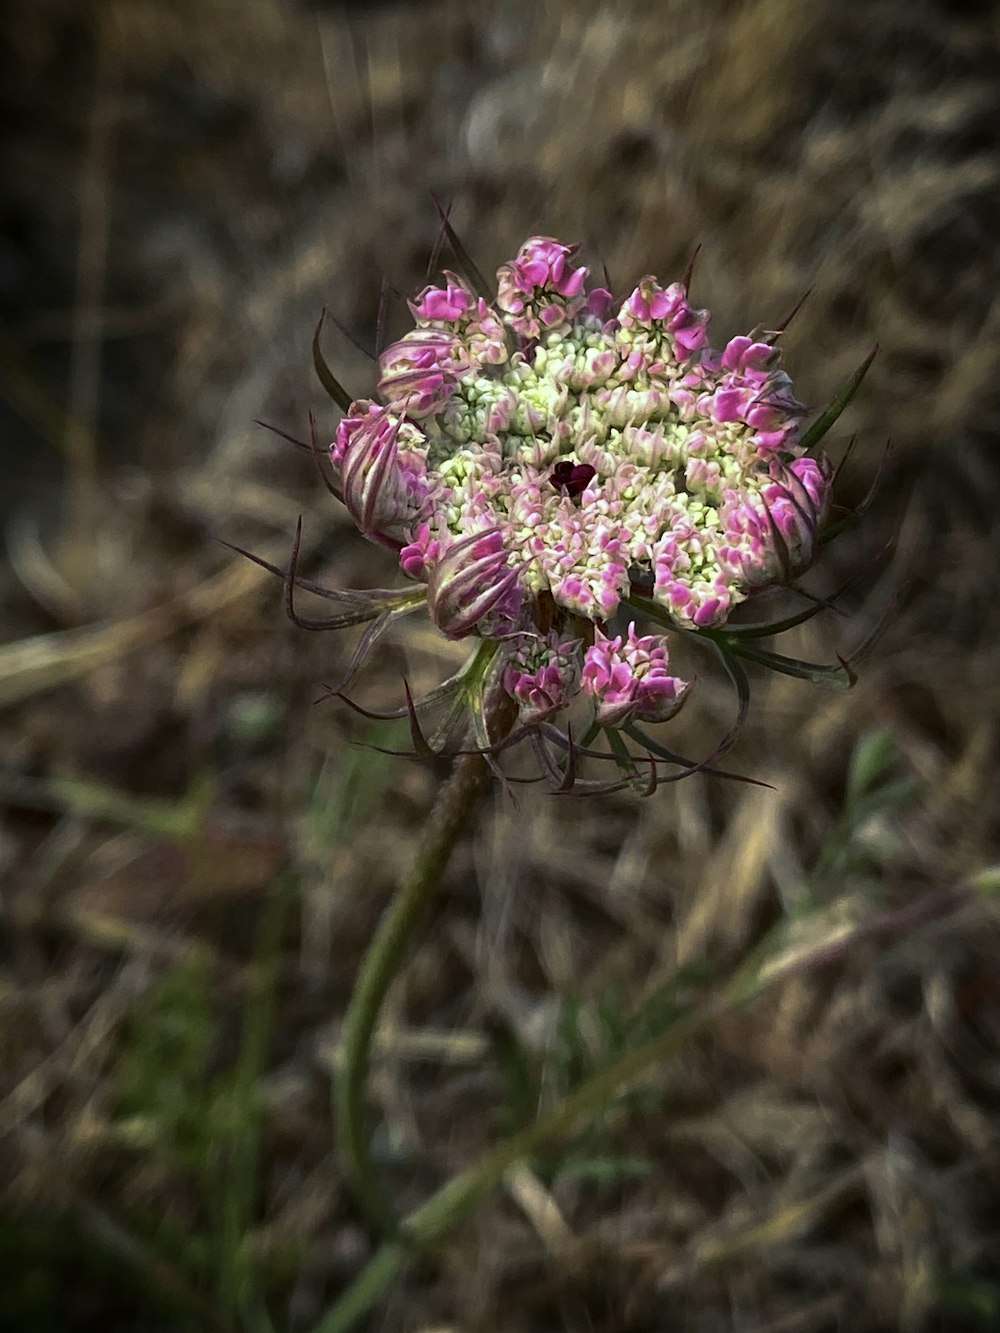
418 374
385 485
468 581
543 675
797 502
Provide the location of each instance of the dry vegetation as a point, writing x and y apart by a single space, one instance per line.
193 853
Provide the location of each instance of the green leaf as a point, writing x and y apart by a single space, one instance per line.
605 1170
624 760
647 607
839 677
740 684
826 419
326 376
851 520
378 627
730 644
765 630
636 733
478 690
239 1106
521 1085
875 758
466 264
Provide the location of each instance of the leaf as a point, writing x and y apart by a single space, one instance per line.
840 677
624 760
326 377
762 629
827 418
852 519
765 630
367 603
729 643
875 758
742 687
375 631
470 681
420 745
605 1170
647 607
467 265
690 766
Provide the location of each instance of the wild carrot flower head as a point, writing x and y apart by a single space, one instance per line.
541 455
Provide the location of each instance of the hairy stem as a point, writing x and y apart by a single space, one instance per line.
452 813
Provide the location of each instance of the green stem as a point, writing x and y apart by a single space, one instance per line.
451 814
459 1196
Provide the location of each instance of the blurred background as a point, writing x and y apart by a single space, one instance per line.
193 851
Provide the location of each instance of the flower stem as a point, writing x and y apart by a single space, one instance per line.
452 812
458 1197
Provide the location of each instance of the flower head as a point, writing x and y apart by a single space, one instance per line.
541 459
604 449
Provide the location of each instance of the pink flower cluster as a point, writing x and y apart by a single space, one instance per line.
543 675
628 678
538 458
540 290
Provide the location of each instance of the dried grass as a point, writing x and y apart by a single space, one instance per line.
828 1158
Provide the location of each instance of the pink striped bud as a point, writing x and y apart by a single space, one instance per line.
418 374
471 579
358 419
385 486
797 502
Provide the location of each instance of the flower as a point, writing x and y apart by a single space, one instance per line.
628 678
540 290
383 473
602 449
541 459
419 373
542 675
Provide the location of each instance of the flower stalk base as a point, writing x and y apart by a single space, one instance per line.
452 813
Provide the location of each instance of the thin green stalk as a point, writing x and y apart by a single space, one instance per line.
459 1196
449 818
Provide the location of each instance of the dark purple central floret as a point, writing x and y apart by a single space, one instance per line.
571 478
